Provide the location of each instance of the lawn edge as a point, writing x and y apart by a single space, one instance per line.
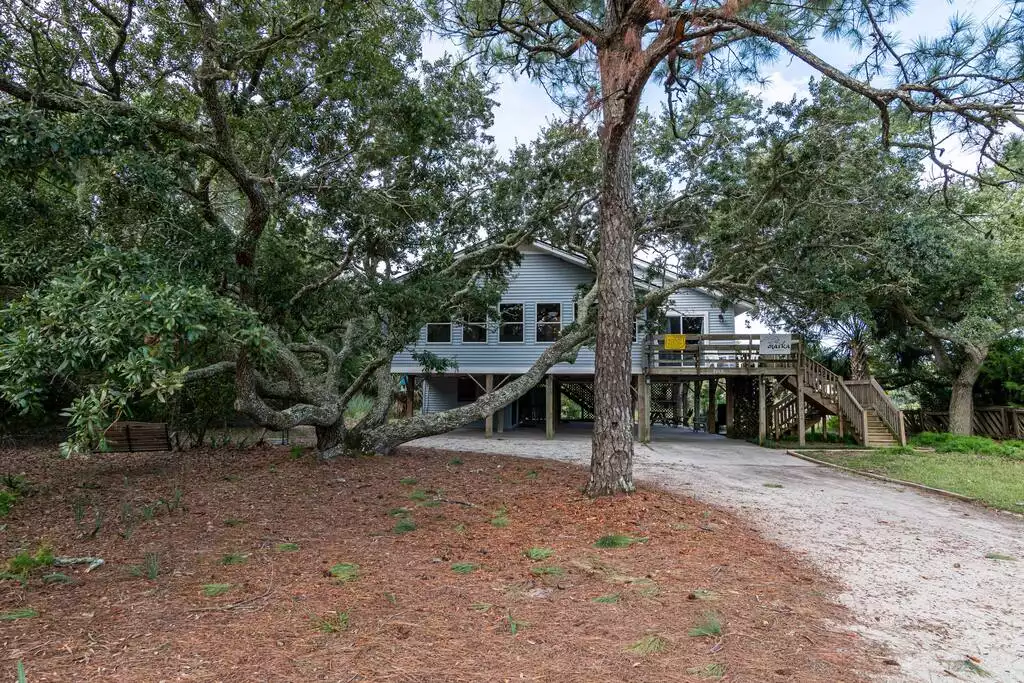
890 480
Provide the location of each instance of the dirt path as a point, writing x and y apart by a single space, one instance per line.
913 564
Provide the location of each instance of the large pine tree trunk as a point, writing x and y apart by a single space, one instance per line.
961 400
611 465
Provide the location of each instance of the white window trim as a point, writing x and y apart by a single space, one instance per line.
537 322
501 321
426 335
671 313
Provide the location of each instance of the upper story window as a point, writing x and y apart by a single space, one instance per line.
511 328
439 333
684 324
474 333
549 322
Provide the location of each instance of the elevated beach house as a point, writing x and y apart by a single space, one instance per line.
679 364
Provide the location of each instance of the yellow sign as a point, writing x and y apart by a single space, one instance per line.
675 342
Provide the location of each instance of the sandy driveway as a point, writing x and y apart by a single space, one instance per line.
913 564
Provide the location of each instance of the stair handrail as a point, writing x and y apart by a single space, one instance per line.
876 398
820 379
851 409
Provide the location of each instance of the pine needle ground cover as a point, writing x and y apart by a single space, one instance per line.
403 610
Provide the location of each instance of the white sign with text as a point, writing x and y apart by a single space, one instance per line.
776 344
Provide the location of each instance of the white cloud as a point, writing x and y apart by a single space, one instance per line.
779 88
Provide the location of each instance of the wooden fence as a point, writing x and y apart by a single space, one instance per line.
998 422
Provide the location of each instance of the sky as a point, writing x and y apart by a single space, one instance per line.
523 108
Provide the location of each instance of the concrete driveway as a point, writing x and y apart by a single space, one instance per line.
913 564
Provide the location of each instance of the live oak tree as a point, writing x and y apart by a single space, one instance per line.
599 55
278 194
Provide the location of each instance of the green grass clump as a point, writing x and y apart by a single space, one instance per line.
537 554
232 522
710 624
648 645
981 445
7 501
24 613
335 622
990 479
617 541
547 571
344 572
1000 556
610 599
419 495
26 561
286 547
500 518
772 486
234 558
455 461
212 590
404 526
708 671
408 481
463 567
57 577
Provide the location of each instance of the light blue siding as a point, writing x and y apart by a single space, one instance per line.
540 278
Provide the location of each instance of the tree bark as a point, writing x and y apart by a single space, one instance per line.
611 465
961 400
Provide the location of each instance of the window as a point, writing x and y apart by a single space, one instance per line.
549 322
474 333
511 323
684 324
439 333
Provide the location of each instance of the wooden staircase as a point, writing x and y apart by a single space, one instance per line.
862 405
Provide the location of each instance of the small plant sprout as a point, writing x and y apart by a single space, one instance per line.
344 572
513 625
455 461
537 554
20 670
212 590
151 565
710 625
650 644
463 567
335 622
419 495
408 481
234 558
500 518
404 526
286 547
617 541
610 599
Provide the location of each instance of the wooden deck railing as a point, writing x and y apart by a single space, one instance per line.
718 351
872 396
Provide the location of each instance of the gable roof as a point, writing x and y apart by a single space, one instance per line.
639 266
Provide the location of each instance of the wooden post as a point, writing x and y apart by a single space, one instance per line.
730 405
558 403
644 409
842 427
713 405
410 395
801 412
489 420
677 403
549 404
824 428
762 412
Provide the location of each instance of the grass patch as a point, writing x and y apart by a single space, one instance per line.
286 547
234 558
547 571
991 479
463 567
617 541
408 481
24 613
532 475
610 599
419 495
231 521
772 486
57 577
455 461
212 590
481 606
708 671
335 622
398 512
25 561
981 445
537 554
150 567
648 645
344 572
1000 556
404 526
710 624
500 519
513 625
